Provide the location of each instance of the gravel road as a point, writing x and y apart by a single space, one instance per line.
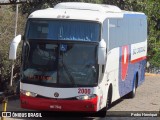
146 101
147 97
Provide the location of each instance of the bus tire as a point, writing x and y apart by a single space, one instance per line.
102 113
133 92
109 97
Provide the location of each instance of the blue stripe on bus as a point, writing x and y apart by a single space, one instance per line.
127 85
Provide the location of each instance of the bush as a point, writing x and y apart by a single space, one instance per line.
7 27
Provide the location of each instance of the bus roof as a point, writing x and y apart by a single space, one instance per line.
88 6
81 11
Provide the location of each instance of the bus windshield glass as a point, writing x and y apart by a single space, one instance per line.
63 30
68 64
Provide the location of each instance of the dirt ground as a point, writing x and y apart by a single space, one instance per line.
147 98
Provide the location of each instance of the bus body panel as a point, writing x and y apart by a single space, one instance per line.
112 71
66 96
63 92
59 105
127 50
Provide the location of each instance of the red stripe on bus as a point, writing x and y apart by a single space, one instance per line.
59 105
124 62
138 59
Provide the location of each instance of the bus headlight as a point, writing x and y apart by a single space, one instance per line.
86 97
27 93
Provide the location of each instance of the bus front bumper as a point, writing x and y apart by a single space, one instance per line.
58 104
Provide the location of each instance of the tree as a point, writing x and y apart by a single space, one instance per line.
153 13
7 22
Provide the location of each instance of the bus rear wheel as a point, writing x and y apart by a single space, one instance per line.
133 92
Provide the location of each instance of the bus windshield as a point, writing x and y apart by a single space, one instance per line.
72 64
63 30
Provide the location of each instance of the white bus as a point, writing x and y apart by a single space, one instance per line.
81 57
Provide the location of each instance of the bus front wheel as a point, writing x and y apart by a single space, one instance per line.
109 98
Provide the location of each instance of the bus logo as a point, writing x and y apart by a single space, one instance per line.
63 47
56 94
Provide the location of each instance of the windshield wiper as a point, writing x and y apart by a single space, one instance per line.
69 74
26 53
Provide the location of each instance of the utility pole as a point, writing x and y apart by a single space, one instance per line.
15 33
16 19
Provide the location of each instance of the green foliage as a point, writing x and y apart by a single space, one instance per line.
5 30
7 26
153 13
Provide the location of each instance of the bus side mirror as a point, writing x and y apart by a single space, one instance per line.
102 52
13 47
